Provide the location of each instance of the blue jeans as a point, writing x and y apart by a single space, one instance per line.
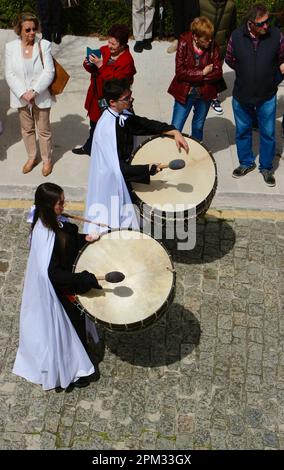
200 111
266 117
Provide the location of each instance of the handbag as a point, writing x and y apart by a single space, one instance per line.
60 79
70 3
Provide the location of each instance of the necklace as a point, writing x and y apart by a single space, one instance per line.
26 49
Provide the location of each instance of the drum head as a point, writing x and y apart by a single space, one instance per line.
144 293
180 190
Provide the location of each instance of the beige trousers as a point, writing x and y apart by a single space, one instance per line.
37 119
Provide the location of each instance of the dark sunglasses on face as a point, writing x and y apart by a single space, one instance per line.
28 30
261 23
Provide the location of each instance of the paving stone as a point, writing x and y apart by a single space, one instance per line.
208 375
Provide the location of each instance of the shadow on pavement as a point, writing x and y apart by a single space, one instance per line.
169 340
71 131
214 239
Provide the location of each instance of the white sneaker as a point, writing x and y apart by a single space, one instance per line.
216 105
173 47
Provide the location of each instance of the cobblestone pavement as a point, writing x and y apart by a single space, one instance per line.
208 375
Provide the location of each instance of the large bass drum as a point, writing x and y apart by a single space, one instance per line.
175 195
147 290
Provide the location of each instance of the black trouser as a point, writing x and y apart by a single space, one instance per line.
88 144
184 11
50 16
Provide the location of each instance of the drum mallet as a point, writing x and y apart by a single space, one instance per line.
112 276
177 164
82 219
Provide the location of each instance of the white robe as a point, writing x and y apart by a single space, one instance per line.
108 200
50 352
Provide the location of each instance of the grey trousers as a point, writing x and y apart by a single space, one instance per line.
142 18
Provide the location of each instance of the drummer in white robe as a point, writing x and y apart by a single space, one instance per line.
53 349
110 173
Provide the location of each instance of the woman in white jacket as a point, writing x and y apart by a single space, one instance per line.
28 81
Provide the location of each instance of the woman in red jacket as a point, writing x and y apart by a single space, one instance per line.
115 62
198 65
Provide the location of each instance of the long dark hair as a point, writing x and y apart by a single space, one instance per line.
46 196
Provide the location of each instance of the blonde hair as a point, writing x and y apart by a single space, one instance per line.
21 18
202 27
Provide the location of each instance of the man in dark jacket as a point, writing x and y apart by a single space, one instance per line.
255 51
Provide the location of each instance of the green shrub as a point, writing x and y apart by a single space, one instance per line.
96 16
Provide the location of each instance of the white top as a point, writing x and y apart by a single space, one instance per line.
41 77
28 64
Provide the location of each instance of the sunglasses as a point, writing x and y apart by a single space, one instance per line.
28 30
261 23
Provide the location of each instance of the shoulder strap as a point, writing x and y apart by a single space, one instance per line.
40 52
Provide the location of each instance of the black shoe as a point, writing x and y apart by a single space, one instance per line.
57 38
138 46
268 177
80 151
80 383
242 170
96 375
147 44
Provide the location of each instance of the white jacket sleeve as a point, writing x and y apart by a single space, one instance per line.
17 86
47 75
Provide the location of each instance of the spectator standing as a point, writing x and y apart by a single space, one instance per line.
255 51
115 62
28 81
198 65
50 16
142 22
184 12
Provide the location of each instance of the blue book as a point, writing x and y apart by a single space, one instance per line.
95 52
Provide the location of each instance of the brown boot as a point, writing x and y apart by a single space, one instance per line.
29 165
47 168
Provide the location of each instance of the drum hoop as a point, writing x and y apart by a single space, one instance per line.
131 327
182 214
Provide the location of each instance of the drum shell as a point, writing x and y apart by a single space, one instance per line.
162 217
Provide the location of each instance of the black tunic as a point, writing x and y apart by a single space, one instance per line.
136 125
63 280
